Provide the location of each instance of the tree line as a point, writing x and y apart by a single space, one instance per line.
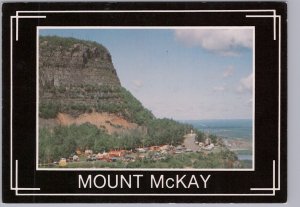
62 141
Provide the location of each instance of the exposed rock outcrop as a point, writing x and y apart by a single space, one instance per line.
76 72
66 62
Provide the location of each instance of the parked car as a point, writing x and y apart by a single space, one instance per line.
75 158
91 158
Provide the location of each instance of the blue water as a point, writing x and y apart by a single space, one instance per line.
244 157
226 128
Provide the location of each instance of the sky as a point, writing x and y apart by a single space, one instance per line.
181 73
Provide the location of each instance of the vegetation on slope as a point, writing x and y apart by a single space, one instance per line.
64 140
65 42
223 159
127 106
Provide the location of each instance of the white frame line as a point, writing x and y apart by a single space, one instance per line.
273 189
145 27
279 100
17 17
253 100
17 189
37 98
145 169
47 194
149 11
274 16
11 102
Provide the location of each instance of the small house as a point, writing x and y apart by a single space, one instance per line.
141 150
88 152
62 162
165 147
154 148
75 158
201 144
116 153
207 142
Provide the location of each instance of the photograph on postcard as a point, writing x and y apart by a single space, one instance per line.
145 98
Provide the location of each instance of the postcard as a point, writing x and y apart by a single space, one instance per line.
145 102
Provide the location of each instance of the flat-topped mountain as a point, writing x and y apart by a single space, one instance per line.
77 77
68 62
74 76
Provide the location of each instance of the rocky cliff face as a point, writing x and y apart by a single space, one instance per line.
69 62
77 78
76 72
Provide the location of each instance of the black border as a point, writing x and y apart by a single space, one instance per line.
24 96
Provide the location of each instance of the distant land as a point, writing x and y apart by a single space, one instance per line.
226 128
236 133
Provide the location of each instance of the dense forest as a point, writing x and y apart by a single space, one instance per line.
65 140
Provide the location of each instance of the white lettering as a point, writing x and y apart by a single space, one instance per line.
123 180
167 183
205 180
88 181
157 184
138 177
180 181
193 181
116 183
95 181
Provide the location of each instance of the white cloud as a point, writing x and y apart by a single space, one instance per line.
218 88
228 71
246 84
137 83
222 41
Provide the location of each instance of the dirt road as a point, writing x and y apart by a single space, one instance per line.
189 142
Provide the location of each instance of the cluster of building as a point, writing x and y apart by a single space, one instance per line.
206 145
151 152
